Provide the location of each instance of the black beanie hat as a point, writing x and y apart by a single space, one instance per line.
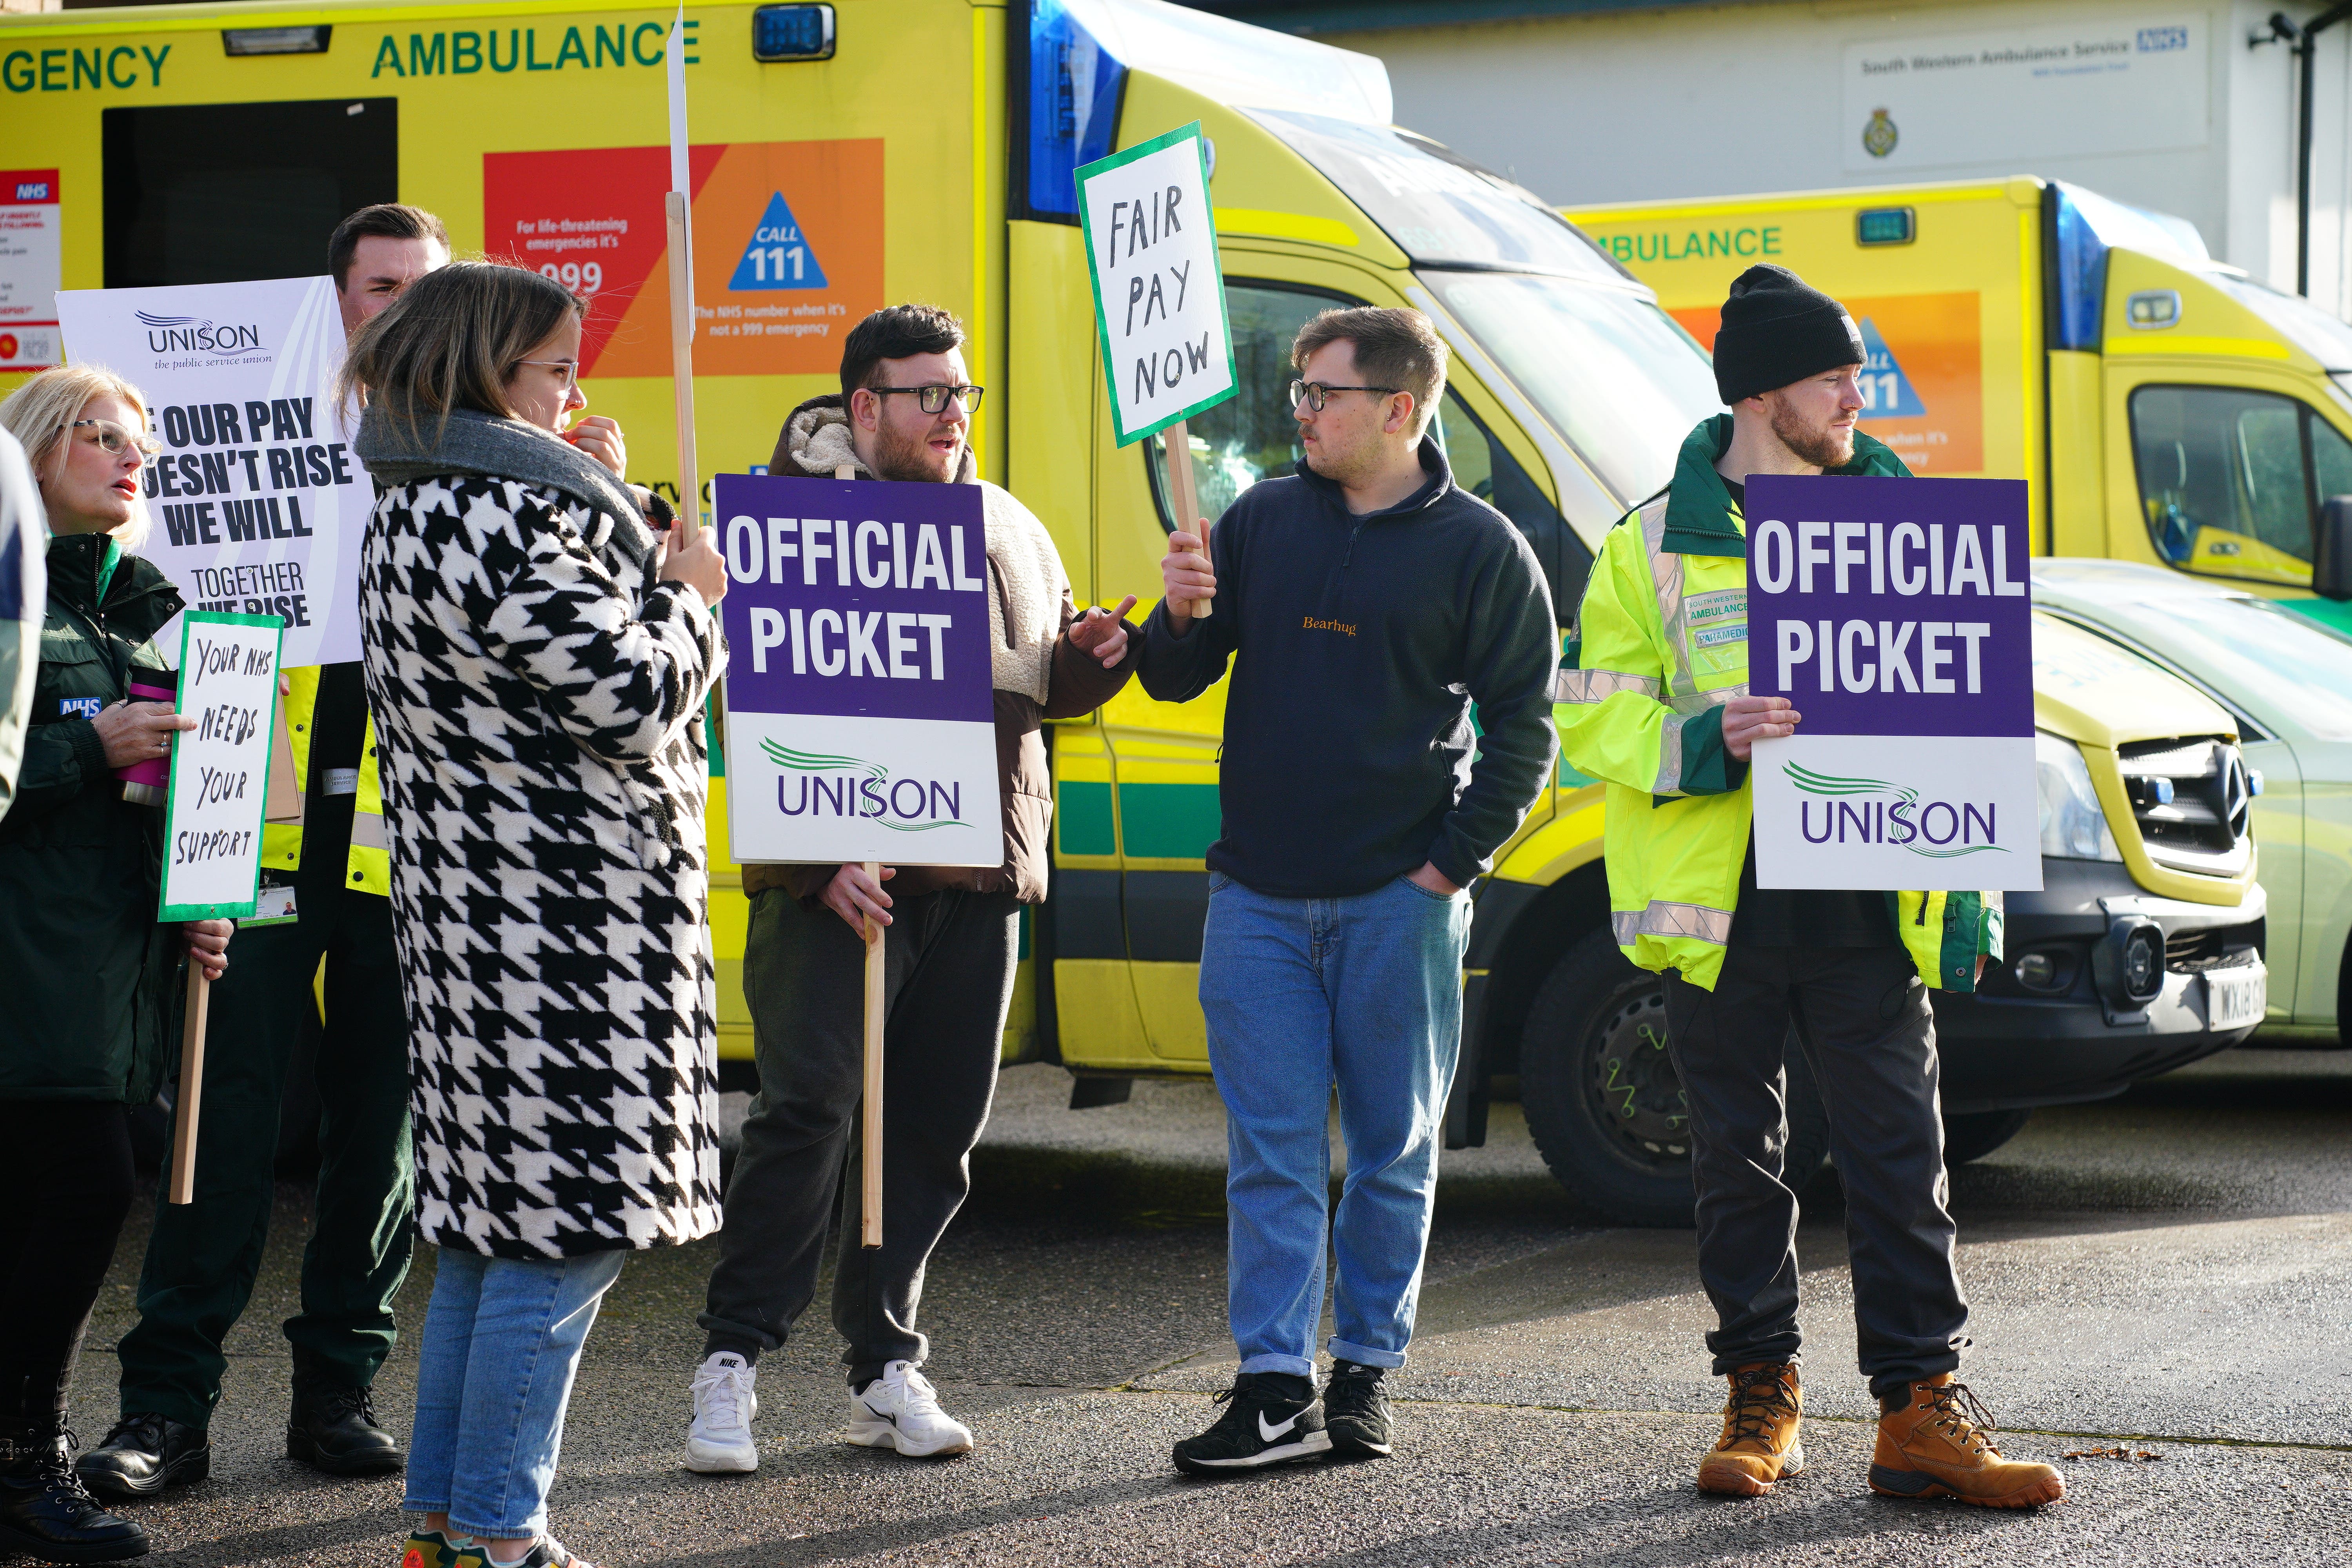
1777 330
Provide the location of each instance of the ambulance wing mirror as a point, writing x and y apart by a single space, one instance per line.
2331 561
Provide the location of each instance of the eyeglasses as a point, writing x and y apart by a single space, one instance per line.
933 399
568 371
114 440
1314 393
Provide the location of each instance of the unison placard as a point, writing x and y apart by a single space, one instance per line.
1893 616
220 769
258 502
860 719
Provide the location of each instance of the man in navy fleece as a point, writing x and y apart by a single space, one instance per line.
1367 604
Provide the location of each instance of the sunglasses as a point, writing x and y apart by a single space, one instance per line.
114 440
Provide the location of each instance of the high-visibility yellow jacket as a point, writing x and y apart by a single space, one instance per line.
1660 644
368 866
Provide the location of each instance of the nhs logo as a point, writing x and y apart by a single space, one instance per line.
80 707
2161 40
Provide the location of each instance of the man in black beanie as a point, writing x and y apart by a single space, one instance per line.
1658 691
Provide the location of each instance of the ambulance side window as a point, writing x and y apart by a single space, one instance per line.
1250 436
2231 480
1485 466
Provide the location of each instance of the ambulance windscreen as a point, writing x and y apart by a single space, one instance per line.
1441 209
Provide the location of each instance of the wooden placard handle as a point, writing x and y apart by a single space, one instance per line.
183 1188
1184 498
681 354
869 1231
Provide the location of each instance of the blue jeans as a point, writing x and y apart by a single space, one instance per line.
495 1365
1364 993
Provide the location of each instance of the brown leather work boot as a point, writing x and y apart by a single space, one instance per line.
1935 1441
1758 1445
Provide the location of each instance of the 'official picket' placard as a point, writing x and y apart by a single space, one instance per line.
860 718
1895 615
220 769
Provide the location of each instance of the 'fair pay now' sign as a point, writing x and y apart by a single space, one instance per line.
1160 301
860 722
1893 616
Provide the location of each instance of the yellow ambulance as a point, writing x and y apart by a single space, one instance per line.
851 154
2169 409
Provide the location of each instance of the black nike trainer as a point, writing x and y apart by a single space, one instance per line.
1356 1410
1271 1418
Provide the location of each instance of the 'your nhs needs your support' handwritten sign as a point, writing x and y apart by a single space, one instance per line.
1159 299
1894 614
220 769
860 723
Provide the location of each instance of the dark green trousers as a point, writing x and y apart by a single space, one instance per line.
204 1256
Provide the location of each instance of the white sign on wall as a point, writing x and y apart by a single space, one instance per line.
258 503
31 251
2022 95
1159 301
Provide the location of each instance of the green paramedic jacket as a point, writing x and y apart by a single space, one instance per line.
1660 644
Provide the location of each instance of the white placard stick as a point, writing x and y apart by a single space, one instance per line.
870 1204
1184 498
681 351
869 1231
192 1085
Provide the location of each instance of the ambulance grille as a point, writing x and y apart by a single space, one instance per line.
2191 801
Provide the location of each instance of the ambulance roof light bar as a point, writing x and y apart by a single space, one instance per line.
238 41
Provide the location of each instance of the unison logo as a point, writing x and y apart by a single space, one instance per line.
189 334
1939 829
863 790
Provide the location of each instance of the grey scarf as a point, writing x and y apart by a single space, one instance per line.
476 443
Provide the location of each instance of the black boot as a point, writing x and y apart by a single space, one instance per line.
44 1511
332 1428
143 1455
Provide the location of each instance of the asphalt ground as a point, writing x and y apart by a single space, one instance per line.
2166 1274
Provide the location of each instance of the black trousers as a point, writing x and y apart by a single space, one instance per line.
949 958
203 1256
1863 1020
65 1165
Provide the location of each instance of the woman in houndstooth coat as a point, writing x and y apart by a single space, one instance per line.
537 663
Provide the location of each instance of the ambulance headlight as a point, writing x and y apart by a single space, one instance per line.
2074 825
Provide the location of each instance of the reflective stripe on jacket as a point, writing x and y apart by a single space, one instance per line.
1660 644
368 864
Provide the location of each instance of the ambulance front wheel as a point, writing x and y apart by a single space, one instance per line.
1602 1099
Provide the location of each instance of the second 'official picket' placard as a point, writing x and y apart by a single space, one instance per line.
1894 614
860 723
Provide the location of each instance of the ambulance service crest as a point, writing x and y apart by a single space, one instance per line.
1878 137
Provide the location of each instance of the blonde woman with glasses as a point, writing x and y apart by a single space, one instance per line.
87 1029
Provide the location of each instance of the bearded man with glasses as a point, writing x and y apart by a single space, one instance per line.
952 935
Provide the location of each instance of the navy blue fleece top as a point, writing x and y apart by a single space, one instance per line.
1359 644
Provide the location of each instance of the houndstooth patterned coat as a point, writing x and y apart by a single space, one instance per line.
538 698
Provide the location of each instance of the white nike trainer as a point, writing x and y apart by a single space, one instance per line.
901 1410
725 1401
